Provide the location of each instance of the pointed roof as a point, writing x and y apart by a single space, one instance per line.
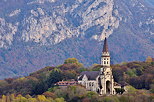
105 47
91 75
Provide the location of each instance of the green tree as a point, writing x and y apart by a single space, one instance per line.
60 100
131 90
73 61
55 76
20 98
40 88
71 93
124 99
32 100
110 99
42 98
70 61
90 94
131 72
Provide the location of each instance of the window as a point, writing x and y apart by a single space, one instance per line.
104 62
90 84
84 83
93 84
107 62
104 58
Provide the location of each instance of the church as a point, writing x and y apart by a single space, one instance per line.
101 81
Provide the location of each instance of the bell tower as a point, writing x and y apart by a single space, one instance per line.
105 58
106 78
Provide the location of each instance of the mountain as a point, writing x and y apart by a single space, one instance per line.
39 33
151 2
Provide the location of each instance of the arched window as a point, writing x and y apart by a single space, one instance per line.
84 83
104 62
90 84
93 84
107 62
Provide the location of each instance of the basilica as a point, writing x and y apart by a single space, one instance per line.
101 81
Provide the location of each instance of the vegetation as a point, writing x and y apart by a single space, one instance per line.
28 98
39 86
79 94
138 74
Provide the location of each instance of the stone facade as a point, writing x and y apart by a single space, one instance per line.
101 81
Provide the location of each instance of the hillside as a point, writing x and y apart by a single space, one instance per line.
132 73
137 74
39 33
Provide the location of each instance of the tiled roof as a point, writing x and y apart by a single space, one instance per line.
66 83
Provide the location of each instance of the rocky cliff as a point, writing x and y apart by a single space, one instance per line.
39 33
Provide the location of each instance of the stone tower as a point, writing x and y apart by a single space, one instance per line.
105 58
106 81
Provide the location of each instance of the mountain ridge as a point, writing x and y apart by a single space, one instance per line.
40 33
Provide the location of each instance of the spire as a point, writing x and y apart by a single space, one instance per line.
105 58
105 47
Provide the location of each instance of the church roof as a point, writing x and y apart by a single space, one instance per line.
105 47
91 75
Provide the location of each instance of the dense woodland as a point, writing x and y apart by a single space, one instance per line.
39 86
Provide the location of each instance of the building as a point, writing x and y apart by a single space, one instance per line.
101 81
66 83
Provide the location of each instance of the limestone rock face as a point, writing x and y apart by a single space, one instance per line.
7 31
39 33
68 19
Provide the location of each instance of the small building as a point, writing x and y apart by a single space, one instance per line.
66 83
117 85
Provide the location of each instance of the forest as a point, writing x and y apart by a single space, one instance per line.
39 86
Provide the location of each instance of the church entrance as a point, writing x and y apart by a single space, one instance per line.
108 85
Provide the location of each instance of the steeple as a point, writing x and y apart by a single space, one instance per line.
105 47
106 71
105 58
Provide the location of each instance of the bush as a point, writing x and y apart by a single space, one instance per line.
111 99
119 90
131 72
131 89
